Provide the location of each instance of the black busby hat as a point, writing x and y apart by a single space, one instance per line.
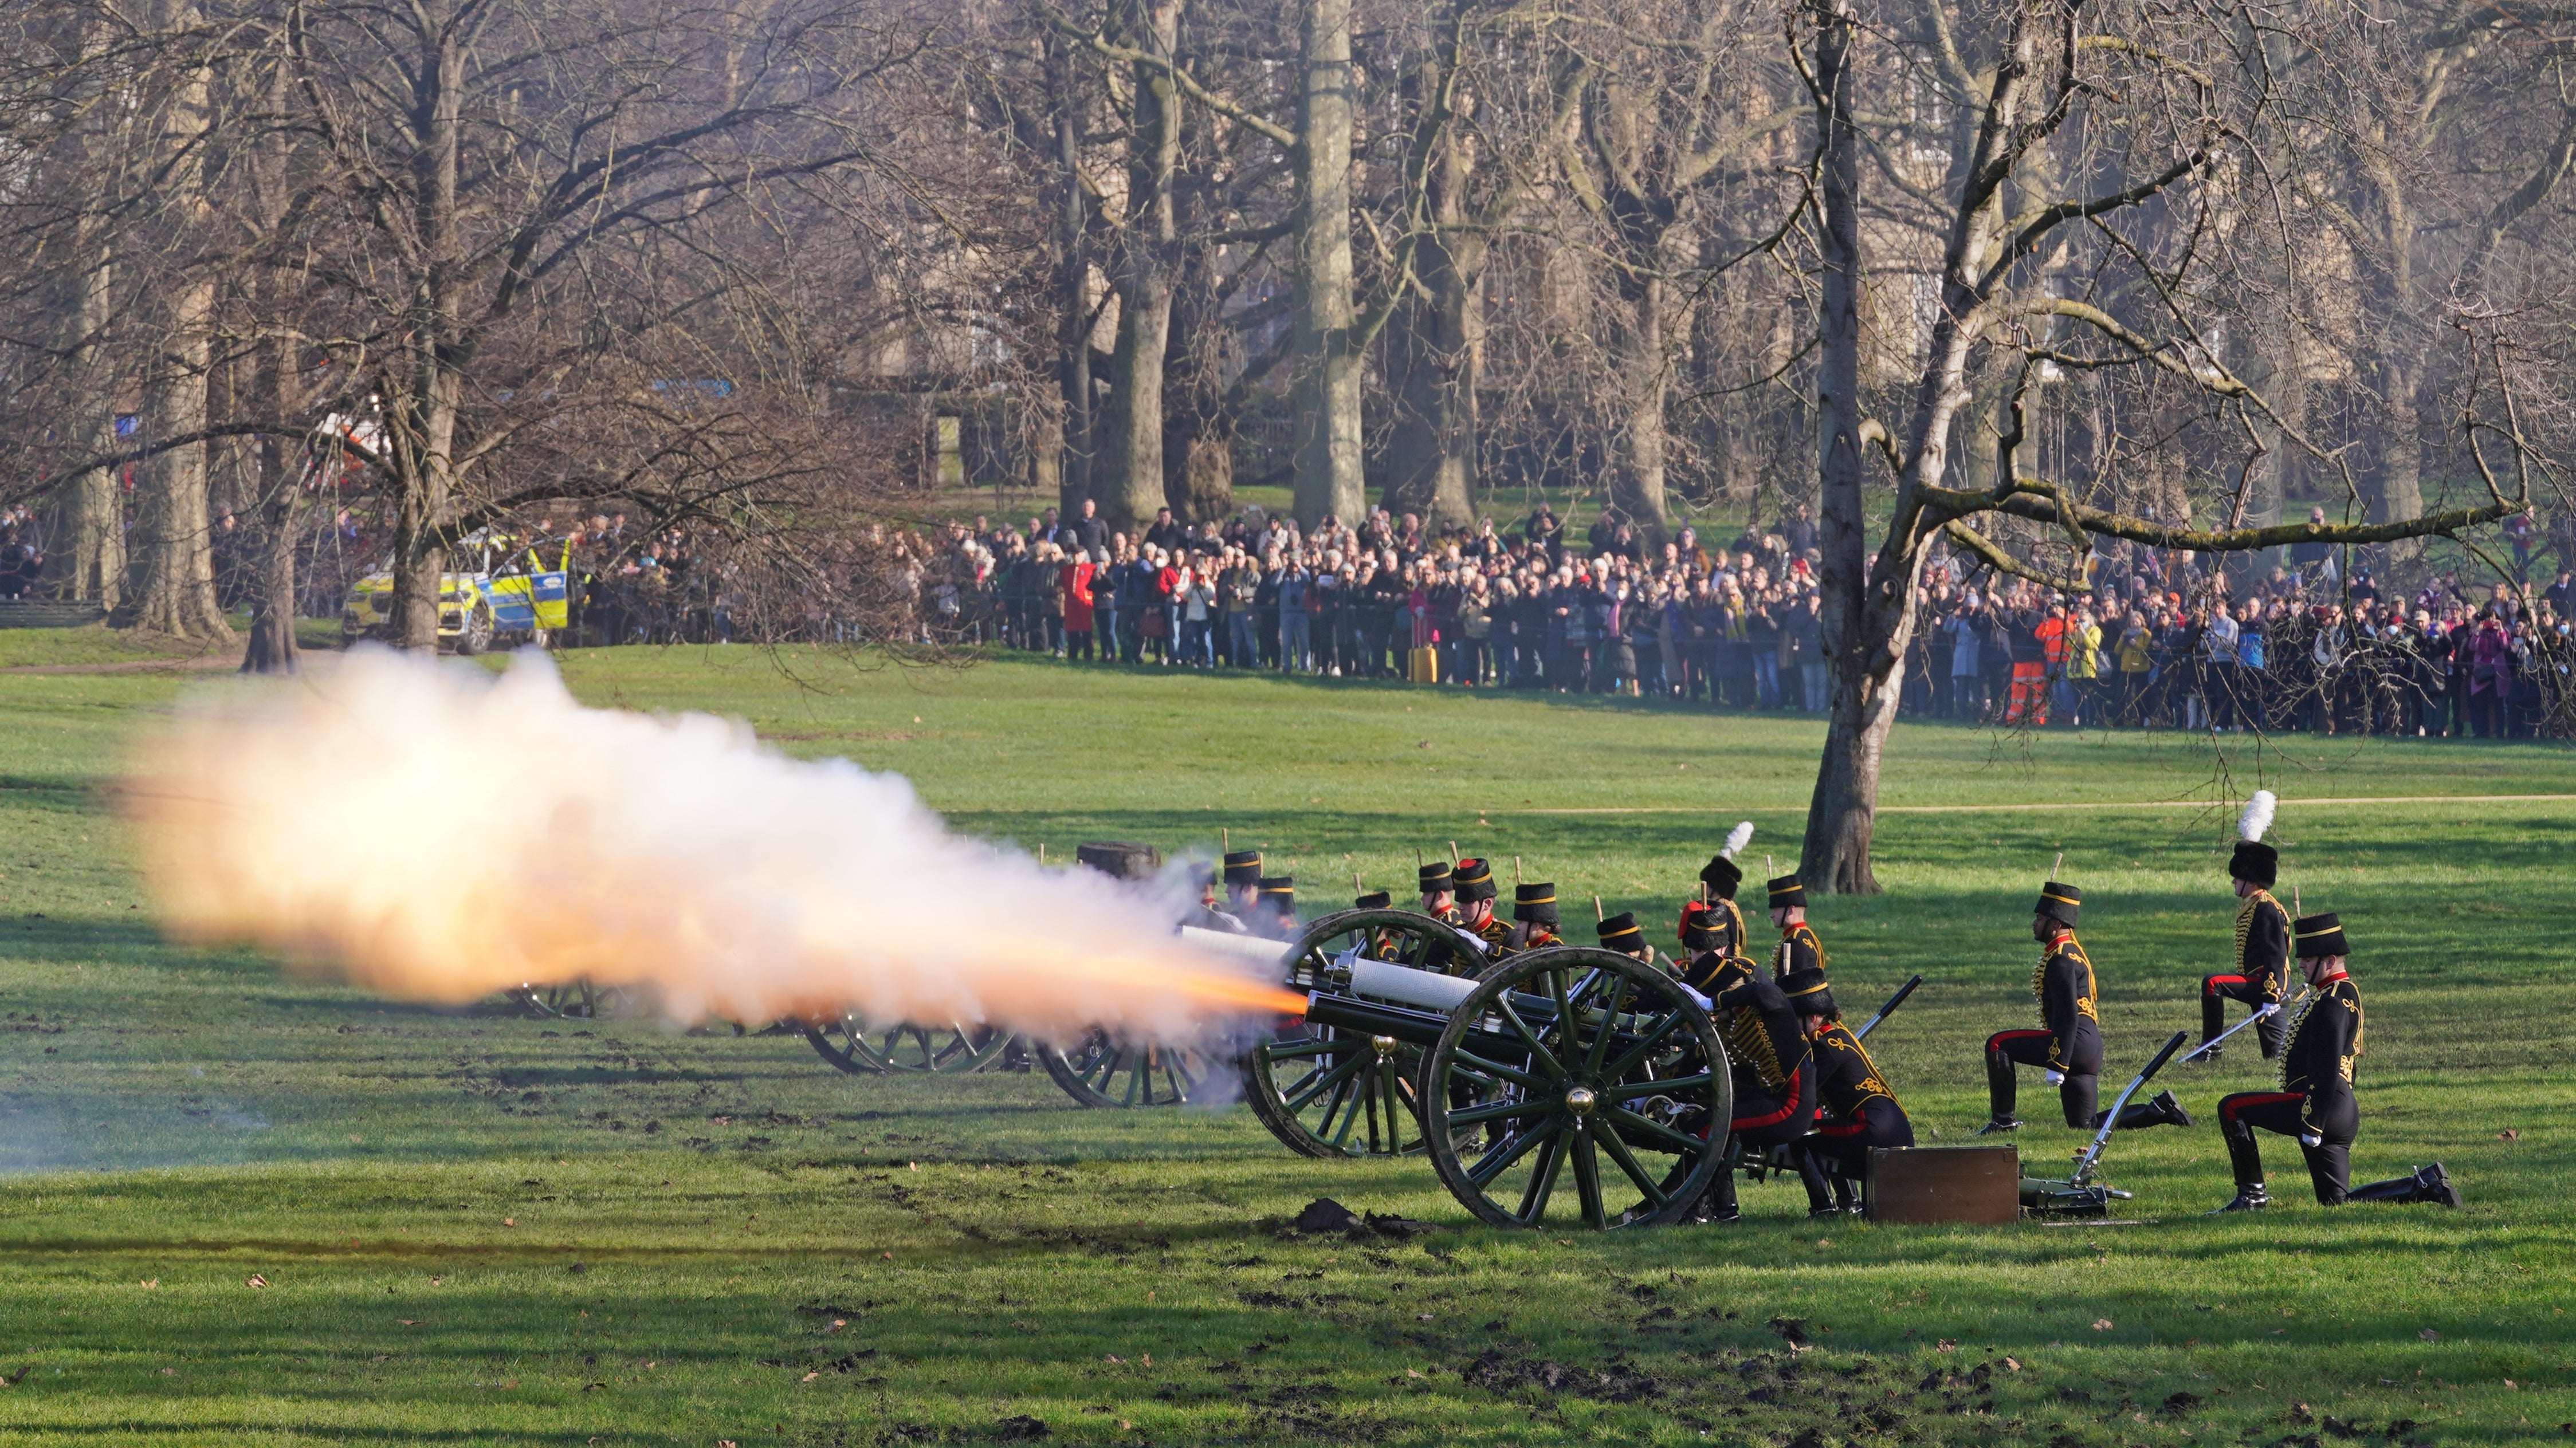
1374 900
1243 867
1621 932
1721 874
1279 892
1702 926
2319 935
1436 878
1787 892
2059 902
1535 902
1809 992
2255 860
1473 879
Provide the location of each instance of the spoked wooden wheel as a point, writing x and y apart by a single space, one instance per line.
574 1000
861 1049
1101 1070
1590 1074
1328 1092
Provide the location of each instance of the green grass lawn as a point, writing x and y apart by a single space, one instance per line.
477 1228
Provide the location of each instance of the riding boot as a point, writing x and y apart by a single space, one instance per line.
2213 1022
2002 1090
2428 1184
2245 1159
2330 1168
2162 1110
2273 1030
1811 1171
1718 1203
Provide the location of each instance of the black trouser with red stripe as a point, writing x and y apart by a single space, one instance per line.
1841 1145
2332 1123
2078 1093
1773 1116
2217 990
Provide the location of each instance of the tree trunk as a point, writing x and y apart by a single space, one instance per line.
1637 485
92 565
1072 298
1325 383
279 460
1147 274
173 589
1864 633
422 437
1436 348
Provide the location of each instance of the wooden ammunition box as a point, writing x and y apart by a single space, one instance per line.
1943 1184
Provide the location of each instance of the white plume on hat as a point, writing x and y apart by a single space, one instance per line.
1737 838
2257 817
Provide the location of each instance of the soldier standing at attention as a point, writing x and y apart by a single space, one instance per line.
1856 1111
1775 1088
1243 883
1534 907
2068 1045
2262 974
1712 965
1721 875
2315 1102
1472 882
1799 948
1439 894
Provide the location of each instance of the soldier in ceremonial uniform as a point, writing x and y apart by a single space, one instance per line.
1720 877
1856 1111
1472 882
1440 893
1534 908
1277 914
1212 915
1710 944
1242 883
2262 974
1775 1087
1799 948
1622 933
2068 1045
2315 1102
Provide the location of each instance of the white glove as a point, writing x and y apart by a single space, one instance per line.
2054 1078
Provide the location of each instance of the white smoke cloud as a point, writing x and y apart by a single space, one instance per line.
437 835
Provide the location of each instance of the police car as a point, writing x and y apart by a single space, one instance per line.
502 594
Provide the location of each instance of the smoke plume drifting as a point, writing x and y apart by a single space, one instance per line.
437 835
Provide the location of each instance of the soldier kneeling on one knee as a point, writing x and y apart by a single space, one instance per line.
2315 1102
1855 1110
2068 1045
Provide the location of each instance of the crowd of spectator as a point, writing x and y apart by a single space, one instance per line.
2161 638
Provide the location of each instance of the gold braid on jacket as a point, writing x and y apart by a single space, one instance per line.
2289 1047
1748 1042
2245 925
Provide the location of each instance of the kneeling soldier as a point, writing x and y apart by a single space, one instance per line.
2262 975
1856 1110
1440 893
2315 1102
1534 907
1621 933
1712 965
1799 948
1775 1086
1472 882
2068 1045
